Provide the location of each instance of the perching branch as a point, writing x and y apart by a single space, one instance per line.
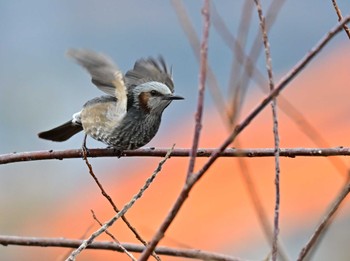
151 152
106 245
161 152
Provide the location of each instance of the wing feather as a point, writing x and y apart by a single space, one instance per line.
104 73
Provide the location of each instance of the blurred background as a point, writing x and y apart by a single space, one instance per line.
40 88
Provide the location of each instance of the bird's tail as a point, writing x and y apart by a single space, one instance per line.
62 132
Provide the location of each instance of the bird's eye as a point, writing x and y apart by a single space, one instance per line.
154 93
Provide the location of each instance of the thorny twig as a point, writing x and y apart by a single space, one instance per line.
125 208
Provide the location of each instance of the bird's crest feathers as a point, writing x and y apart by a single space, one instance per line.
149 70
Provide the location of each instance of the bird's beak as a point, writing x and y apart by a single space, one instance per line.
173 97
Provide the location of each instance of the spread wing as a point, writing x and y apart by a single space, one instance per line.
104 73
147 70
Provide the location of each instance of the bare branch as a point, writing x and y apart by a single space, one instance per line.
202 80
193 39
283 83
259 208
113 237
196 177
105 245
105 194
126 207
340 17
248 62
161 152
237 46
275 127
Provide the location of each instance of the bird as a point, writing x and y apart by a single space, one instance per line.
129 116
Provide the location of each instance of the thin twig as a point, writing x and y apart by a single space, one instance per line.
125 208
85 234
180 152
108 197
238 47
201 87
193 39
196 177
250 71
249 67
113 238
275 128
282 84
238 91
105 245
238 55
340 17
259 208
326 219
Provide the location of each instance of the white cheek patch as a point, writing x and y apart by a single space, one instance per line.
76 118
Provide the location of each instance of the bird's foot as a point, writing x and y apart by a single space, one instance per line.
84 148
118 152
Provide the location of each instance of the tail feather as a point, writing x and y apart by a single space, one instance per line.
62 132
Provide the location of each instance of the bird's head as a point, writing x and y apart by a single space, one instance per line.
153 97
